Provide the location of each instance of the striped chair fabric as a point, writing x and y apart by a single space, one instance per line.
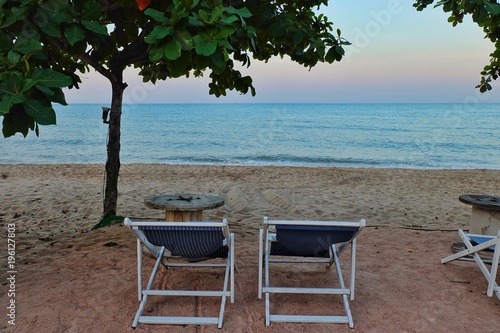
188 242
477 239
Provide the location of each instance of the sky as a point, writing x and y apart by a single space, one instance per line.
398 55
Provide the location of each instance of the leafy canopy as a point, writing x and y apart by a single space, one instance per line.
45 44
486 13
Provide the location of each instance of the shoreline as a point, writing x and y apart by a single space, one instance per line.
412 217
260 166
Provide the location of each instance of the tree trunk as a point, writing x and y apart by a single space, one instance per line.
113 160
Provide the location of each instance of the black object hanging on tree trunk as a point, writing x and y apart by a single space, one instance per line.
105 113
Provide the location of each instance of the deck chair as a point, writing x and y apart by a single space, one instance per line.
474 244
286 241
193 242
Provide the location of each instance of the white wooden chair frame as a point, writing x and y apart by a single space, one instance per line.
487 242
143 293
266 238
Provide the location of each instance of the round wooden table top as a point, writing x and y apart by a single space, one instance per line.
488 202
184 202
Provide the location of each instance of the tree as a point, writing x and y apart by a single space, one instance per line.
486 13
43 44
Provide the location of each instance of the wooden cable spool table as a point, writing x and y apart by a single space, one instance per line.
485 217
184 207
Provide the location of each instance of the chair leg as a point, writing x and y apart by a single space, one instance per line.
261 244
139 270
266 277
233 263
268 314
344 296
148 287
223 299
353 268
492 285
228 279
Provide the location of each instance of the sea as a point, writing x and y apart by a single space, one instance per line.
417 136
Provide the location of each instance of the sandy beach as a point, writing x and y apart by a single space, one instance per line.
70 280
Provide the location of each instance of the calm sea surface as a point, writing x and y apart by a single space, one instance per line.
420 136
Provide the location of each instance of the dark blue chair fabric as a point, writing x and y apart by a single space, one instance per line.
309 241
188 242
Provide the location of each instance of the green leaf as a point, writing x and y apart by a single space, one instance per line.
58 11
74 34
41 114
223 32
156 53
242 12
4 106
216 13
177 68
17 121
298 37
55 95
51 29
15 14
8 102
25 46
95 27
225 44
27 84
340 50
479 15
52 79
11 83
218 59
277 30
10 19
151 39
161 32
185 39
173 50
13 57
228 20
492 8
206 47
5 43
333 54
194 22
192 3
91 11
156 15
203 15
201 62
45 90
58 96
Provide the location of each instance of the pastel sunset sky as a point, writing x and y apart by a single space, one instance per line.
398 55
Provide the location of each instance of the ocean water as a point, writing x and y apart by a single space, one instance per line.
419 136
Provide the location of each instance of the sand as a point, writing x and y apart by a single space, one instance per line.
68 280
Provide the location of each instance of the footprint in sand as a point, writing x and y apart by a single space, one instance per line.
279 202
233 199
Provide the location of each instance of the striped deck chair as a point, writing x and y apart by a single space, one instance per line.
286 241
474 244
193 242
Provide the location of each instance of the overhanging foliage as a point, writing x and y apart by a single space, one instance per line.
486 13
58 40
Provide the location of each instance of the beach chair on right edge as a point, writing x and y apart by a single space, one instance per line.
310 242
474 244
